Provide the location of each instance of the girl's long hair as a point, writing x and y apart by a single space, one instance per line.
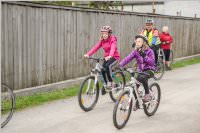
101 36
145 46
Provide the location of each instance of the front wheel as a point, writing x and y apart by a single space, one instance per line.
7 104
151 107
119 83
160 69
88 94
122 110
171 57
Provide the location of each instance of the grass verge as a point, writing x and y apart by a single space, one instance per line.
41 98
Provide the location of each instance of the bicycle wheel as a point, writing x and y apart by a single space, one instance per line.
7 104
122 110
171 58
151 107
119 83
162 54
88 94
160 69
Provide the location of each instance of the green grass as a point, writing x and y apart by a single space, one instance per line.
184 63
41 98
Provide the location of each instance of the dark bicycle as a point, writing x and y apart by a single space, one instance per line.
171 57
89 90
7 104
160 66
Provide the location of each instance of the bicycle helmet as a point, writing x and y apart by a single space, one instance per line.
143 37
106 28
149 21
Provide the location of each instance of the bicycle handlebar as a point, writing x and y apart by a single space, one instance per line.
143 73
96 59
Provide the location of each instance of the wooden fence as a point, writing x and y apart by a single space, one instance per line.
43 44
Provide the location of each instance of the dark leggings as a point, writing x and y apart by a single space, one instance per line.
155 50
144 80
107 69
156 55
167 54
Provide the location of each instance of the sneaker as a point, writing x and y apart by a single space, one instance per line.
169 68
136 106
109 85
147 97
103 91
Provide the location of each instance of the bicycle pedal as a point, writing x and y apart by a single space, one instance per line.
108 90
103 91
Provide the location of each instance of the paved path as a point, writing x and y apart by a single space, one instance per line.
179 111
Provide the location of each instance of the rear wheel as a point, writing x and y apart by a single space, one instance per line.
7 104
119 83
151 107
160 69
88 94
171 58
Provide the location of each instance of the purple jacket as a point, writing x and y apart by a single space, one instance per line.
148 62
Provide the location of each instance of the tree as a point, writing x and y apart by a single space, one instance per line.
60 3
107 5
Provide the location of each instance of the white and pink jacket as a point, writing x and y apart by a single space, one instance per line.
110 47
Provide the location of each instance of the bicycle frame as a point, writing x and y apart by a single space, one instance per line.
132 88
96 72
161 54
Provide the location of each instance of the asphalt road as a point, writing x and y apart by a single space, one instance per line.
179 111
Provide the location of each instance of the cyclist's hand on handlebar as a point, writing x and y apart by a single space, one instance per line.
86 56
108 58
120 68
123 68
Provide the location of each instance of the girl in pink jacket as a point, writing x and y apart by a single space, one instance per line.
109 44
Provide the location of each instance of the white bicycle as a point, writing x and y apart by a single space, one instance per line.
133 96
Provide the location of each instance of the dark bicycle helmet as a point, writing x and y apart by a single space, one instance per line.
143 37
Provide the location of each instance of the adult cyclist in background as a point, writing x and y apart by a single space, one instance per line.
152 35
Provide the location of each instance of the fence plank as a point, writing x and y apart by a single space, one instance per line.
43 45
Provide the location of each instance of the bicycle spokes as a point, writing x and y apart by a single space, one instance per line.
123 108
88 93
7 104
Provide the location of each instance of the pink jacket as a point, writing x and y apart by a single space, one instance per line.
110 47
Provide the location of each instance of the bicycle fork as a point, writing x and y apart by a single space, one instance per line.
95 83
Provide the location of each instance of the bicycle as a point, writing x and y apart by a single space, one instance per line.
160 66
133 95
89 90
171 57
7 104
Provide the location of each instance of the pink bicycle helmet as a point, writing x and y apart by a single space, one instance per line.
106 28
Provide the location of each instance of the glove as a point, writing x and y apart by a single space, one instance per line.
142 53
86 56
